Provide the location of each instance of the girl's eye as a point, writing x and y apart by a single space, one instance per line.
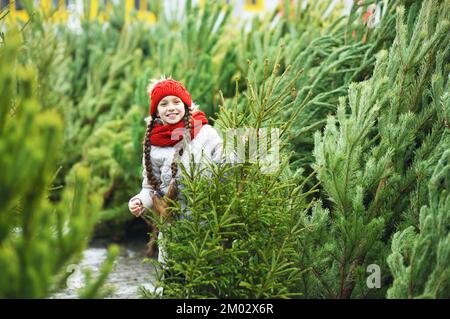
177 102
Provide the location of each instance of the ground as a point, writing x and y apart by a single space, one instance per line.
129 274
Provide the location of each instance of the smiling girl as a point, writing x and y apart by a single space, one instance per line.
176 131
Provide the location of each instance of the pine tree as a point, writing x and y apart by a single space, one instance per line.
419 262
111 152
376 155
331 60
37 238
237 236
88 79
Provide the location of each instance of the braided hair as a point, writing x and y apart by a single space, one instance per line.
153 181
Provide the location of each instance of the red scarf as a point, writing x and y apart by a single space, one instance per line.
171 134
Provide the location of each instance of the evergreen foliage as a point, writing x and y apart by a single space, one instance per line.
419 262
363 112
377 154
237 238
37 238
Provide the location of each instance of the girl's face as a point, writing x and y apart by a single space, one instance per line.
171 109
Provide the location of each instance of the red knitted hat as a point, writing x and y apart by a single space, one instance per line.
165 88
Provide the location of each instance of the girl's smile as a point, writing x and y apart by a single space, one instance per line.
171 109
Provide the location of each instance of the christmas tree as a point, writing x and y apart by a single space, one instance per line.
419 262
37 238
376 156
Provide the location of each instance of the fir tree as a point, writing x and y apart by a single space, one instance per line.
378 152
237 237
37 238
419 262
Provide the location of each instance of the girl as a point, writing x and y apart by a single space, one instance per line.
176 131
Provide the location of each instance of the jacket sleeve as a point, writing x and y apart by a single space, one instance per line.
144 194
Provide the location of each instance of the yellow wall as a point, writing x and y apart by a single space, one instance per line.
57 12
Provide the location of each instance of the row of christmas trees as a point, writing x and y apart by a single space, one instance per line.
363 114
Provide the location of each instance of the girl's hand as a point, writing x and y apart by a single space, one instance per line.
135 207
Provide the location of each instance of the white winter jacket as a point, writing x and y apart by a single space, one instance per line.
207 146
